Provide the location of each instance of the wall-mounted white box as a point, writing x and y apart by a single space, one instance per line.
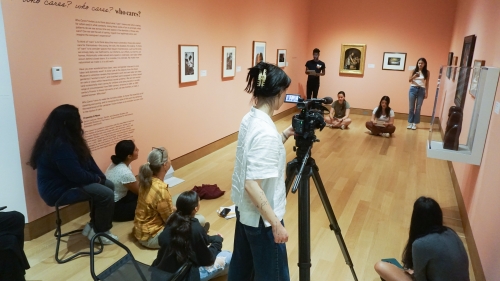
57 73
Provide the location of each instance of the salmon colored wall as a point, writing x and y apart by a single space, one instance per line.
479 184
182 119
418 28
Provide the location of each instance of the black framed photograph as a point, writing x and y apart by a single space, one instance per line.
464 72
450 61
281 58
228 61
394 61
188 63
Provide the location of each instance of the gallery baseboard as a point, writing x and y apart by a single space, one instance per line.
47 223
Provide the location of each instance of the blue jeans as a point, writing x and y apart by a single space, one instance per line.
104 204
416 96
211 272
256 256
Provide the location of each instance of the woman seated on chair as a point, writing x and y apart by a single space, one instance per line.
433 251
339 115
382 122
63 161
126 185
154 203
184 239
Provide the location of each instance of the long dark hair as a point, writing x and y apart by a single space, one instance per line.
273 82
387 112
63 124
426 218
180 224
123 149
343 104
424 70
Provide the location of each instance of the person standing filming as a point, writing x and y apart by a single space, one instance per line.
314 69
258 182
419 86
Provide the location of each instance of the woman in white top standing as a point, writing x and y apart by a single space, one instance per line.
258 182
382 122
419 79
126 185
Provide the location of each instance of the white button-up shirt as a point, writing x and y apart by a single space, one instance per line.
260 155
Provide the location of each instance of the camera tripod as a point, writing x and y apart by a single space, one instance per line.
308 169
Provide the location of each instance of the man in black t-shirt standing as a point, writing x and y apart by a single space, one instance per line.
314 69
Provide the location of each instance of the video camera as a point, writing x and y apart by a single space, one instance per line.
309 119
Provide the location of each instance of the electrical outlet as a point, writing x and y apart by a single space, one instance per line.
497 107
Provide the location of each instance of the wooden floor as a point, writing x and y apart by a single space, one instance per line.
371 182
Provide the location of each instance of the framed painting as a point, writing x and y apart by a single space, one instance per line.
281 58
352 58
258 52
475 76
228 61
450 61
464 71
394 61
188 63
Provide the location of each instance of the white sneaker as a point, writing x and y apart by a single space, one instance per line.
414 126
86 229
104 240
342 127
409 126
385 135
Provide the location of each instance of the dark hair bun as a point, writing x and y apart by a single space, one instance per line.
116 160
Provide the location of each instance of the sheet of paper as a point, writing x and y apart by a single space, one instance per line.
170 173
173 181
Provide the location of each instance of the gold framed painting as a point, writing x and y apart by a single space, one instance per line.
352 58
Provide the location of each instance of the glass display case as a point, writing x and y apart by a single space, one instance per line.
463 105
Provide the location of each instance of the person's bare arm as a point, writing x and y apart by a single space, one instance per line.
132 186
347 111
322 72
306 71
258 198
391 121
413 76
374 118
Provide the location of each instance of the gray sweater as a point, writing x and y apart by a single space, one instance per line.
440 257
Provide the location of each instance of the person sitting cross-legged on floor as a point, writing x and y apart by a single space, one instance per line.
382 122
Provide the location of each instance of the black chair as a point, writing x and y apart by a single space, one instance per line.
59 235
127 268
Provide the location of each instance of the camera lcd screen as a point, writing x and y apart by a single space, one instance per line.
292 98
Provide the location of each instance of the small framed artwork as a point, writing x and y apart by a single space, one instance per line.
394 61
475 76
455 60
228 61
464 72
450 61
281 58
259 52
188 63
352 58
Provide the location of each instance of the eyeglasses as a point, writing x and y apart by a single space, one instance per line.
160 149
162 153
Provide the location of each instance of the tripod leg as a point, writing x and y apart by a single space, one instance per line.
334 225
304 227
291 172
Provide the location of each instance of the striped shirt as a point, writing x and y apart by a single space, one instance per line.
154 206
